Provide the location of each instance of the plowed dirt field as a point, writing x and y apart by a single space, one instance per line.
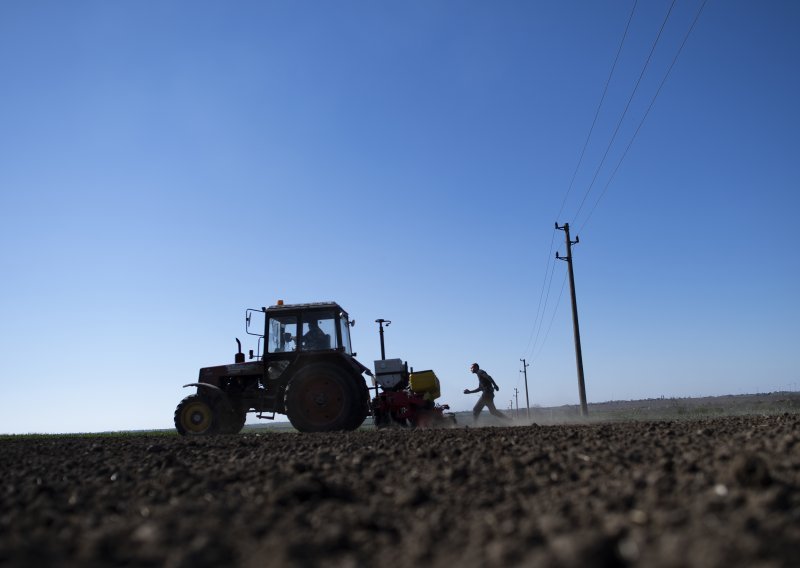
720 492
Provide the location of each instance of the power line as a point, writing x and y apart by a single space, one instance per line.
541 295
596 113
550 264
552 318
540 320
536 330
627 106
644 117
548 278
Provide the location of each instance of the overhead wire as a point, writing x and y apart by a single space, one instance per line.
549 327
551 261
550 264
552 318
647 112
597 111
541 295
627 106
552 272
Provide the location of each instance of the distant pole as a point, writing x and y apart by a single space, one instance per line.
516 397
380 322
527 400
575 327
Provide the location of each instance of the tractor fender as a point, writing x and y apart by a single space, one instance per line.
205 385
223 396
358 367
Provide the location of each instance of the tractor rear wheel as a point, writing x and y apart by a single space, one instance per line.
362 411
195 416
324 398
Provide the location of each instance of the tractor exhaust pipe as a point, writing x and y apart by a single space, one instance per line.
238 357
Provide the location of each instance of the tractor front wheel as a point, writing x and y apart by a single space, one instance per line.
195 416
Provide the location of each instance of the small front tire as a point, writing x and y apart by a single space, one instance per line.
195 416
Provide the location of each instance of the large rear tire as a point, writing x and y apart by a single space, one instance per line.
195 416
323 398
362 411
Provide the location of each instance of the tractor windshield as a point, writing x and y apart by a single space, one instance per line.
282 332
319 332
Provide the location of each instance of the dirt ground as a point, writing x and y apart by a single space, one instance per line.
712 492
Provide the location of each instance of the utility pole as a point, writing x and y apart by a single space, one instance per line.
527 400
516 397
575 327
380 322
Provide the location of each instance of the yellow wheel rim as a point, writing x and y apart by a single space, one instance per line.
196 417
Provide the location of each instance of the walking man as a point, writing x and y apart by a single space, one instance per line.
486 386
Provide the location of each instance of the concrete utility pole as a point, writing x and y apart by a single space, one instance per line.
575 327
516 397
527 400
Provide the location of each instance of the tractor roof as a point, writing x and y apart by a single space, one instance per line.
308 306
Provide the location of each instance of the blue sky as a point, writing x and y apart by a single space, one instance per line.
165 165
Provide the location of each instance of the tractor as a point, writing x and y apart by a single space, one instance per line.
307 371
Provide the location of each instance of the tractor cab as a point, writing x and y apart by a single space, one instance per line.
284 329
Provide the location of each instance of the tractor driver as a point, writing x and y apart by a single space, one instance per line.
315 339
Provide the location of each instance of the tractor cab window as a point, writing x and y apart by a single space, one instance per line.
282 332
344 326
319 332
